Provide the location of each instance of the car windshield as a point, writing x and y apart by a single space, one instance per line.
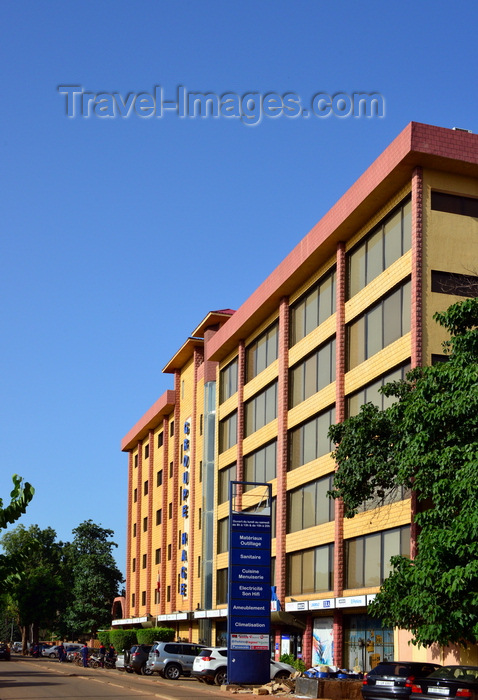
459 672
390 670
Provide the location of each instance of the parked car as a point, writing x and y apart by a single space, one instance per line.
5 652
52 652
135 659
16 647
172 659
447 682
120 662
210 666
392 680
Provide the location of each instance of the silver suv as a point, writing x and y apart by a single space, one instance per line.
172 659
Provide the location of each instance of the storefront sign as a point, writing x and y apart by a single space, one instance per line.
351 601
326 604
184 509
299 605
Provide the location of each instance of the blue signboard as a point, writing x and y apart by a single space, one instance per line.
249 590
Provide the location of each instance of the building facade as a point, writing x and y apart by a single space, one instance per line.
256 390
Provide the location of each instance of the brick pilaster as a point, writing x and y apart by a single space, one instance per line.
307 638
127 611
241 379
164 524
150 580
340 359
282 413
417 307
338 638
198 359
139 527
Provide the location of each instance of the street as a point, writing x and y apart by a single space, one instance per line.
24 678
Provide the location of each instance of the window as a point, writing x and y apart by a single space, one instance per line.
380 248
143 598
169 552
159 516
160 439
157 556
454 204
225 476
168 594
261 465
309 505
201 424
310 571
312 374
310 440
367 559
132 600
261 409
146 488
262 352
258 510
135 495
371 392
146 451
136 460
171 469
157 597
200 471
381 325
223 535
170 511
452 283
313 308
134 529
145 524
159 478
199 567
228 432
171 429
133 565
221 586
228 381
145 560
199 518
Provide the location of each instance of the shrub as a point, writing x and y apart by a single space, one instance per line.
123 639
155 634
104 637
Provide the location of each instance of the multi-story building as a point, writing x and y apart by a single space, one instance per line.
349 309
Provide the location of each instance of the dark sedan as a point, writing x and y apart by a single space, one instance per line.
391 680
5 652
447 682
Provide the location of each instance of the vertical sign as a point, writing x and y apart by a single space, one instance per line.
183 588
249 601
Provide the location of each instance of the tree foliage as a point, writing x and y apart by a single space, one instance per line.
95 579
20 497
37 591
428 440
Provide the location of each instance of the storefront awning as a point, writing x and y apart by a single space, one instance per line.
283 618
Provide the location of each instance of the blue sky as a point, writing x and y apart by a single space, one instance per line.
118 235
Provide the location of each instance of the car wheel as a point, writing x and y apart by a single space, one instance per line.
52 656
281 675
221 676
128 669
146 671
172 671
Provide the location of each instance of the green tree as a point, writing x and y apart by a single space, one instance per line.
94 579
37 591
427 440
